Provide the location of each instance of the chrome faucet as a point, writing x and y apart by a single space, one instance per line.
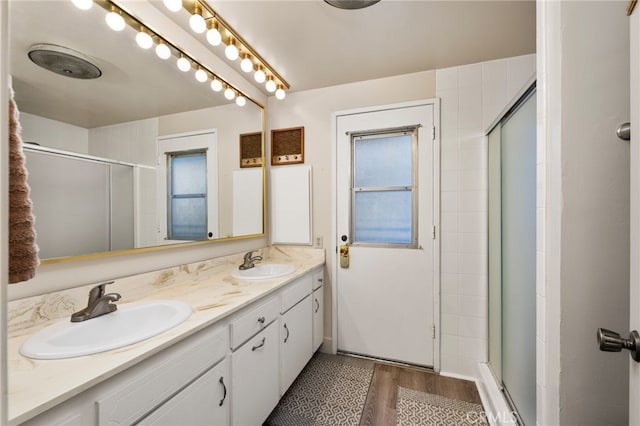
248 260
99 304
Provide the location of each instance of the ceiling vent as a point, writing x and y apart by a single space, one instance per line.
63 61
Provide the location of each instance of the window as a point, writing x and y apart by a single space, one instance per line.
383 190
187 195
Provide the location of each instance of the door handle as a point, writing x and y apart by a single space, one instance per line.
610 341
624 131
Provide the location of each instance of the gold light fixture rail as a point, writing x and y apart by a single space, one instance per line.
165 49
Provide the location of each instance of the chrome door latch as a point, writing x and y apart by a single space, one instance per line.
610 341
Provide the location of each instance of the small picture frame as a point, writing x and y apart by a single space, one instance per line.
287 146
251 149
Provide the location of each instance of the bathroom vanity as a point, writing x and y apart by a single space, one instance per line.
229 363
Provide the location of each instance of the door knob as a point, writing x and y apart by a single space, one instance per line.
610 341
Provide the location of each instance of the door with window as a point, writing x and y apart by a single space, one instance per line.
386 217
187 187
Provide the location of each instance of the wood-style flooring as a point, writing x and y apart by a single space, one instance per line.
380 405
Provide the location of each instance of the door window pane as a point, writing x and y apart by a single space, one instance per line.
383 201
383 217
187 196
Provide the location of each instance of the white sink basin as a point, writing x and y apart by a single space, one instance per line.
131 323
264 271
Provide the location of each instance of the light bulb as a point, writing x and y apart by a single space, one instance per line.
229 93
173 5
231 51
183 64
197 23
115 21
83 4
213 35
260 76
163 51
241 101
216 85
270 85
144 40
201 75
246 64
280 94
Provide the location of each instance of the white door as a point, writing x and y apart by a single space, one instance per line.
386 215
634 288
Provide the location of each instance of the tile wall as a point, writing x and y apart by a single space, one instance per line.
472 97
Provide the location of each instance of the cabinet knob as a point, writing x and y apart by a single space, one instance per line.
261 320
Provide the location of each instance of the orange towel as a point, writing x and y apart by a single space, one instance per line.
23 252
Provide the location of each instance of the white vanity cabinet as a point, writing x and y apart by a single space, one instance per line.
254 380
318 309
204 402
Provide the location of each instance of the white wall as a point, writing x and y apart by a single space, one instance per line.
472 97
54 133
583 51
313 109
131 142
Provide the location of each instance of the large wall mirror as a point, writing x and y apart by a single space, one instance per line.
141 156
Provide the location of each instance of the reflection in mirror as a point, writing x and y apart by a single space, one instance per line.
143 155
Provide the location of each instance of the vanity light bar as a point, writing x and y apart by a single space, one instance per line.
165 49
199 9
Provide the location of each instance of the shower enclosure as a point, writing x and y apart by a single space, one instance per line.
512 256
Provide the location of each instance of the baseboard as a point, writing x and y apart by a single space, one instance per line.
495 405
457 376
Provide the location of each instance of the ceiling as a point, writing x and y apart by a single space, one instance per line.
308 42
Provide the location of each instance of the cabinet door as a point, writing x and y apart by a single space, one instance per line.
254 385
203 402
295 342
318 318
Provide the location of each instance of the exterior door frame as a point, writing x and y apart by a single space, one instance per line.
333 246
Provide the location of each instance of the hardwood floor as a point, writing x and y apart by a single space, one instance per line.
380 405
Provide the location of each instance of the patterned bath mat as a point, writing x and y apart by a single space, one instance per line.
327 393
416 408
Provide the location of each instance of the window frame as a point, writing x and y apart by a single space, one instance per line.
376 134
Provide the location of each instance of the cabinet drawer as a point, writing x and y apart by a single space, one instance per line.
295 292
142 388
253 321
318 278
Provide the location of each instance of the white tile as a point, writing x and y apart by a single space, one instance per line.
470 111
450 344
450 304
540 229
540 318
519 71
472 264
448 113
541 391
449 223
450 363
449 242
449 159
449 202
472 221
472 243
472 159
472 285
541 283
541 150
472 327
473 141
473 201
449 324
494 73
467 366
449 144
494 100
472 180
473 348
447 78
449 283
472 306
540 365
541 189
470 76
449 263
449 180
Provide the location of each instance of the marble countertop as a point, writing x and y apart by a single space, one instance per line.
38 385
